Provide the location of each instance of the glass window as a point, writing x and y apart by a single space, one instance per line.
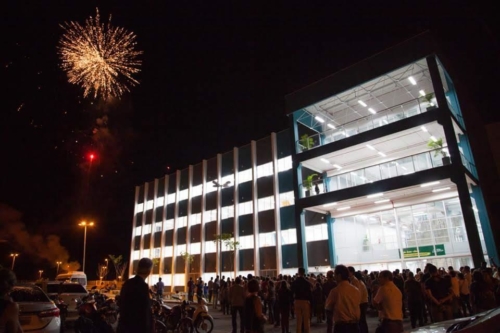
146 253
171 198
210 215
179 249
209 247
285 164
245 208
137 231
156 252
147 229
266 203
246 242
195 248
181 222
136 255
168 224
195 219
159 201
210 187
265 170
316 232
196 190
158 226
139 208
372 174
227 212
179 279
267 239
288 236
287 199
168 251
422 162
183 195
245 176
229 180
149 205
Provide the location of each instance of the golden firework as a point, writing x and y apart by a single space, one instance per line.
99 57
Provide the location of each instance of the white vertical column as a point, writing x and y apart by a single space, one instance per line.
188 216
176 214
134 220
203 204
277 202
236 258
256 254
217 230
163 219
153 221
145 201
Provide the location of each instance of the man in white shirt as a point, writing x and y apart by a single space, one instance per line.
389 300
363 307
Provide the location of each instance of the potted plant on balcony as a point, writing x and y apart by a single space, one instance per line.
308 183
437 145
428 98
306 142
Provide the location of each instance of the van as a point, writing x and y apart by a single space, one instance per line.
75 276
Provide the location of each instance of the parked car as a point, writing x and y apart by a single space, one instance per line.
37 313
68 292
486 322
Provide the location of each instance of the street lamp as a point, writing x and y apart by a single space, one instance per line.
13 255
40 272
58 263
85 224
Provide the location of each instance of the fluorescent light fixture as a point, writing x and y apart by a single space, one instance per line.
362 103
433 138
423 128
375 195
429 184
370 147
441 189
330 204
337 166
344 208
412 80
321 120
331 126
372 111
325 160
422 93
382 201
382 154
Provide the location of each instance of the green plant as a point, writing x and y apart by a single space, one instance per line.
437 145
428 97
309 181
306 141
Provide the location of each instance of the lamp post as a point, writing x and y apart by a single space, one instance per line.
40 272
58 264
85 224
13 255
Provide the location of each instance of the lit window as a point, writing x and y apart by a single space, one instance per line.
245 208
145 253
183 195
287 199
288 236
285 164
137 231
171 198
266 203
168 224
156 252
195 219
149 205
267 239
209 187
265 170
181 222
158 226
139 208
195 248
227 212
196 190
147 229
225 179
179 249
159 201
168 251
209 247
246 242
210 215
179 279
316 232
245 176
136 255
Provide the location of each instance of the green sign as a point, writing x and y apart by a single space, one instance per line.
424 251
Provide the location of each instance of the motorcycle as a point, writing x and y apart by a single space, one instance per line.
171 318
94 314
203 322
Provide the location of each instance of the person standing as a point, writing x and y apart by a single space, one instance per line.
302 293
237 299
210 289
344 300
464 295
440 294
135 305
415 300
216 292
199 289
160 286
285 299
388 301
329 284
252 309
191 286
360 285
9 311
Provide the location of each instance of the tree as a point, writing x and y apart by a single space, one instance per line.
119 264
188 260
102 271
231 245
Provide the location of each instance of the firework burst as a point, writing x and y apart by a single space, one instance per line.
98 57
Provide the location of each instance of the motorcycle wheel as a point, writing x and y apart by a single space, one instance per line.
185 325
204 324
159 327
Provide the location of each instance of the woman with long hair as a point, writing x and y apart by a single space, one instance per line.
253 314
9 312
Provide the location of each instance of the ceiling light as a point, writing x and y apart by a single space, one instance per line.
331 126
362 103
344 208
422 93
433 138
423 128
382 201
321 120
330 204
375 195
325 160
412 80
382 154
337 166
370 147
441 189
429 184
372 111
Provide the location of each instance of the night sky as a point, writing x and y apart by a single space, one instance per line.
214 76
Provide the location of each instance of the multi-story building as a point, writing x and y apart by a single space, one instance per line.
376 171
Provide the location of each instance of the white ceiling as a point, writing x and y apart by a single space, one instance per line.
395 146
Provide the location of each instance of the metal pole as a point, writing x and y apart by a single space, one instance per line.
84 245
13 262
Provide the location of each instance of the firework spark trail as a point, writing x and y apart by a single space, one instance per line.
100 58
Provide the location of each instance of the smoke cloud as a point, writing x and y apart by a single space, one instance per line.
43 247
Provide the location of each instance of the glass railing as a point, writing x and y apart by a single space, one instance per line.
400 167
468 165
381 118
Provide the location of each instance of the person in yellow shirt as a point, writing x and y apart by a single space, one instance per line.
355 277
344 300
388 301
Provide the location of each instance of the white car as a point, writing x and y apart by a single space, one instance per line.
68 292
485 322
37 313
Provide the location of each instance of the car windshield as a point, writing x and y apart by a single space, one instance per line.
65 288
28 294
